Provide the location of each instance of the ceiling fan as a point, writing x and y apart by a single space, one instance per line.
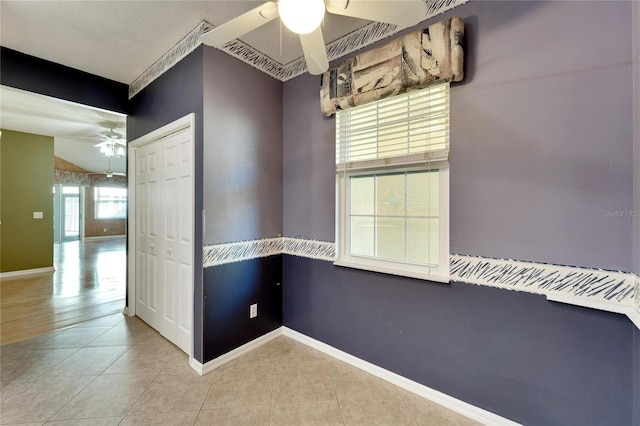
109 172
304 17
113 144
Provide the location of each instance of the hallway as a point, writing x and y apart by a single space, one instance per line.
89 282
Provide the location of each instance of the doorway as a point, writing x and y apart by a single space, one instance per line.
67 216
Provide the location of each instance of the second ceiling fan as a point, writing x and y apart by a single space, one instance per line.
304 17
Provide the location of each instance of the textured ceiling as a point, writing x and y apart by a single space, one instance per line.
121 39
75 128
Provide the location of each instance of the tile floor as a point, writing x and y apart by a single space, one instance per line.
118 371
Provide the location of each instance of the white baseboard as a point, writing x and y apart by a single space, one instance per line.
203 369
25 272
453 404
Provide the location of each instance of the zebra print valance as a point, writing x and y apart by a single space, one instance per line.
431 55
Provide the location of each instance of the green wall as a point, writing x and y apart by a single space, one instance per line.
26 181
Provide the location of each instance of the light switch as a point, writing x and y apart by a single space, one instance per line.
37 215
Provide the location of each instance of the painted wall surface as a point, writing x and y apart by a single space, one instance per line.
99 227
243 151
37 75
511 353
541 150
242 199
308 161
541 139
173 95
229 291
636 194
26 182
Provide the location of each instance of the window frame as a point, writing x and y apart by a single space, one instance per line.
433 160
439 273
97 202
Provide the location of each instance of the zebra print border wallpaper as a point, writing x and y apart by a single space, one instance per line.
612 291
346 44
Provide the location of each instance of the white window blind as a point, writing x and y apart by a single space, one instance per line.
403 130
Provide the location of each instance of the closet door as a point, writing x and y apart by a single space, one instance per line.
147 234
164 232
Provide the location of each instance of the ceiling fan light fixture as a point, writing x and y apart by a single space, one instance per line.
301 16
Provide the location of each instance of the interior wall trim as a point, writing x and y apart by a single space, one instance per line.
25 272
188 44
612 291
362 37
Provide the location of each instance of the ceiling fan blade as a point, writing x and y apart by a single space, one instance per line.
241 25
315 52
404 12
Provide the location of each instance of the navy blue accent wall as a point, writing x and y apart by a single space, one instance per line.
229 290
32 74
171 96
516 354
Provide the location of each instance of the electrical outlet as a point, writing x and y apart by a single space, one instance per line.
37 215
253 310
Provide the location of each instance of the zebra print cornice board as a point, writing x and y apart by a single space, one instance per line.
612 291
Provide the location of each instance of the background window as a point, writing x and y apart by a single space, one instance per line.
110 203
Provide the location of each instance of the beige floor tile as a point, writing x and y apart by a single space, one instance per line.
41 399
108 321
128 369
321 413
353 383
164 419
173 391
31 363
72 338
105 421
236 416
125 335
106 396
143 359
428 413
248 385
383 411
302 387
87 362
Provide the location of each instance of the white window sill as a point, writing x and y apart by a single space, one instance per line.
393 271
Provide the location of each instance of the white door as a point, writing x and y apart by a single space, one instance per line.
164 236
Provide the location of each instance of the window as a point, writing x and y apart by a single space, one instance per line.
110 203
393 185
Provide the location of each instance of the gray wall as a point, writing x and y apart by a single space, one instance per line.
541 139
309 162
243 151
541 148
242 198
